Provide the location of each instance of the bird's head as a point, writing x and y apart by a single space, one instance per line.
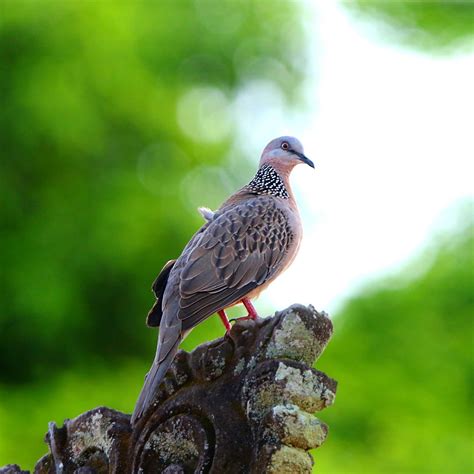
284 153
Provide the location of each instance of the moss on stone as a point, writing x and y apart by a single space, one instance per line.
293 340
93 434
288 460
300 429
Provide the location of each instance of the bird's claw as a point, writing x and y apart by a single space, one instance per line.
243 318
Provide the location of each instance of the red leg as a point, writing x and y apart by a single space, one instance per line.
251 310
224 320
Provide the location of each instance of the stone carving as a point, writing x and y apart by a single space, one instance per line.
243 403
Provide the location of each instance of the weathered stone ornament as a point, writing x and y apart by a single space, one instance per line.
243 403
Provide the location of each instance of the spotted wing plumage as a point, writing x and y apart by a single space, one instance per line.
240 249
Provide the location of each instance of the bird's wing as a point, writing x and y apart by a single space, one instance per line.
241 249
154 316
159 284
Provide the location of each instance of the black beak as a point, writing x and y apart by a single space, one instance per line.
304 158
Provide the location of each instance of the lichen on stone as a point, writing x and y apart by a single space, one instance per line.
173 446
93 434
293 340
181 378
300 429
239 366
288 460
304 388
218 363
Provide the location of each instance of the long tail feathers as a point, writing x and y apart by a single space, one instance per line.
153 379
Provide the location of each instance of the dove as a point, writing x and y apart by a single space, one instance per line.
242 247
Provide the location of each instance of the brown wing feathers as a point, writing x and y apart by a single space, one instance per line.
153 318
239 251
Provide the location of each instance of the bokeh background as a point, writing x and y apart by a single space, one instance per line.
119 118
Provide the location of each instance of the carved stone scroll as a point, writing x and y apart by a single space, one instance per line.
243 403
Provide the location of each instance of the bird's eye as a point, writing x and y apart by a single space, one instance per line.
285 146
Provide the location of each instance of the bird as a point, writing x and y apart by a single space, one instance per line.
240 249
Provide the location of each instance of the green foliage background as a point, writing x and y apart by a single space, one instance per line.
94 180
435 26
402 351
94 161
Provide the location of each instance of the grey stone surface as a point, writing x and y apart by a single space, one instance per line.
243 403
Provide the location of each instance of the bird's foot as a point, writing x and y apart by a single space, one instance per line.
243 318
252 313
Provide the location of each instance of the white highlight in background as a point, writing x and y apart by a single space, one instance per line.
391 135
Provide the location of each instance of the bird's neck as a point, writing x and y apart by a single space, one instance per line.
268 181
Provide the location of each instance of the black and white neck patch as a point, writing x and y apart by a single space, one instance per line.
268 181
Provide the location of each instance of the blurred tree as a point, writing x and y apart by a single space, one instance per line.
103 106
403 354
434 25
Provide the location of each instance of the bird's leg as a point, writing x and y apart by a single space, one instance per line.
224 320
251 310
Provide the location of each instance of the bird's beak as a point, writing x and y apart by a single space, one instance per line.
304 158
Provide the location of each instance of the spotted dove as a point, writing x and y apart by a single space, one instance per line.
242 247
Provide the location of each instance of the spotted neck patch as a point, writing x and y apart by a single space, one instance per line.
268 181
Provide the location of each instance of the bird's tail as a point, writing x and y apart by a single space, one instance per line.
167 347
